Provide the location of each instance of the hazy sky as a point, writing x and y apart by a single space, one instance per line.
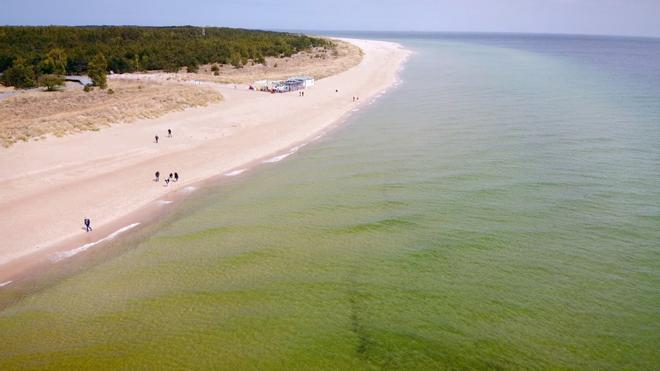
612 17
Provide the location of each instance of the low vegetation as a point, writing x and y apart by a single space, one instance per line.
35 115
318 62
51 82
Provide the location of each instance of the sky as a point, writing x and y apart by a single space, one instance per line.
598 17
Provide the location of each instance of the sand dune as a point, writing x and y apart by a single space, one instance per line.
35 115
49 186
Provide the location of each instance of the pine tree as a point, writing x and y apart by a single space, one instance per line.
54 63
97 71
20 75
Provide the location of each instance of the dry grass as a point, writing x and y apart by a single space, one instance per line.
34 115
318 63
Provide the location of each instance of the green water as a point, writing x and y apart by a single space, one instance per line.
506 215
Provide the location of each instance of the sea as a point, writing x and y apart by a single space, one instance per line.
498 209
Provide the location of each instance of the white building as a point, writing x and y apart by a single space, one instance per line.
309 81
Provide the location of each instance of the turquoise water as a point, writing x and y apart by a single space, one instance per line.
500 209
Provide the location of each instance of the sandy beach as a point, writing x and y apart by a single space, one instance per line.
49 186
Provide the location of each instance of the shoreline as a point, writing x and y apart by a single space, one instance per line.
160 204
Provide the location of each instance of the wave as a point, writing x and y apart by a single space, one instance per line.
285 155
164 202
6 283
278 158
235 172
377 226
67 254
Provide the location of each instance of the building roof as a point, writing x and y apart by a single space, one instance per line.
82 79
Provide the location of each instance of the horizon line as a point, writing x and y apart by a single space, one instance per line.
353 30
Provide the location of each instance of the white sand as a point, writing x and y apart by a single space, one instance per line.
48 187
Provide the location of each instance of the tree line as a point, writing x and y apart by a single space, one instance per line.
40 55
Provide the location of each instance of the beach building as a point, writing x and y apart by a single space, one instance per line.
307 80
288 85
294 84
266 85
82 80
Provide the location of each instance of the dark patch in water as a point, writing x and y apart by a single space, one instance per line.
377 226
358 327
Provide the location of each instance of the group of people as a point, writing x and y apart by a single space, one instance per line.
174 177
301 93
356 99
88 224
169 135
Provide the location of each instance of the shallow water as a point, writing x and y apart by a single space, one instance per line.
499 209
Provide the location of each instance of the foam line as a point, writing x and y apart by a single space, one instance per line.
235 172
278 158
7 283
296 148
67 254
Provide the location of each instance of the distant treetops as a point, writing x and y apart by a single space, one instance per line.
40 56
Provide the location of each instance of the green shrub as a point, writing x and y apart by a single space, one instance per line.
20 75
193 67
97 71
236 60
51 82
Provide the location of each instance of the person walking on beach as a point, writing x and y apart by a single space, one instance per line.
88 224
167 181
176 176
157 175
169 133
156 137
171 176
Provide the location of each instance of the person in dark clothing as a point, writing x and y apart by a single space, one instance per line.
176 177
169 133
157 175
88 224
171 176
156 137
167 181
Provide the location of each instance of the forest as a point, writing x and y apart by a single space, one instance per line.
28 52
